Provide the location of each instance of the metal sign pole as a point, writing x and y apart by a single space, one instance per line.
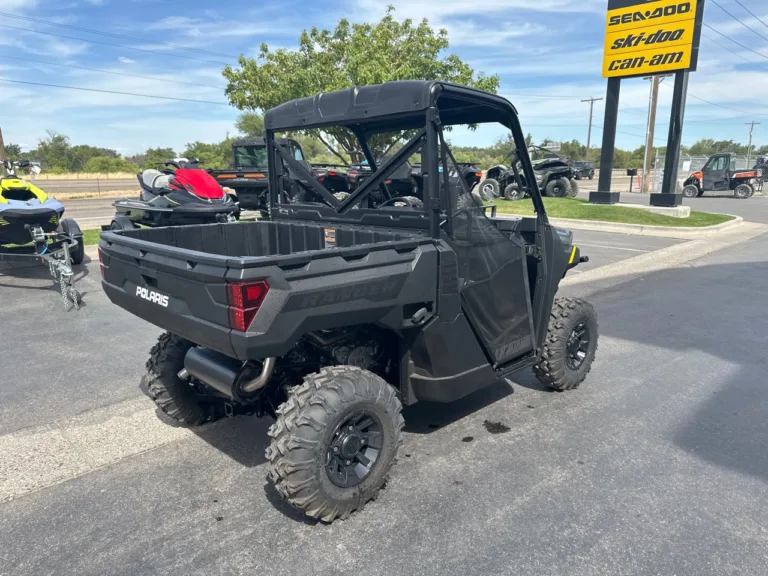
669 195
604 194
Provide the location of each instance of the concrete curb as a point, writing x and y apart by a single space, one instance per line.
640 229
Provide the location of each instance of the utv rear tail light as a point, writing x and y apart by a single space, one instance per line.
245 299
331 173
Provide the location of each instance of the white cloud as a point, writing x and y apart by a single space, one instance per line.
125 60
209 29
16 5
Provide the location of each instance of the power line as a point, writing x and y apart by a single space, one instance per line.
113 35
108 44
109 72
723 107
753 14
728 49
739 21
114 92
734 41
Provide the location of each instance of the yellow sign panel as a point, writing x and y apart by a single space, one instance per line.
651 36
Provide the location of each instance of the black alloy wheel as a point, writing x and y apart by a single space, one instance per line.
355 449
577 346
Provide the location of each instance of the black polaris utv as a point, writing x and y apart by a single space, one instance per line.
334 313
554 177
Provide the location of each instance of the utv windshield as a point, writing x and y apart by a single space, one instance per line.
251 157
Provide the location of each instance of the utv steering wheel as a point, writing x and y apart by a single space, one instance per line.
391 201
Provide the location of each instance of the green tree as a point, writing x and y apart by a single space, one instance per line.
54 152
216 156
13 151
250 124
350 55
108 165
154 156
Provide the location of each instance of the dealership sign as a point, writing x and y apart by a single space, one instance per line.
645 37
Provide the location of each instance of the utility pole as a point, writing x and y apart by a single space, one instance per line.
651 128
589 132
749 148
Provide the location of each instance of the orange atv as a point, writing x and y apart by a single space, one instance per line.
719 175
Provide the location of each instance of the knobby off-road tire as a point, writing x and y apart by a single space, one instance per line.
558 188
489 189
691 191
513 193
743 191
556 367
306 429
574 188
174 396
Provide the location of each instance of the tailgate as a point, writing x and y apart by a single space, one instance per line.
178 290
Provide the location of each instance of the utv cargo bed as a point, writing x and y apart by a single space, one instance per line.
186 280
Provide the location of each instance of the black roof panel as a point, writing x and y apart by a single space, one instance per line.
392 105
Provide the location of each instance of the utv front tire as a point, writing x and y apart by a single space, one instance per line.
691 191
174 396
570 346
558 188
489 189
743 191
334 441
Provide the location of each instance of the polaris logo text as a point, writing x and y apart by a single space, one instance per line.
152 296
658 37
642 62
643 15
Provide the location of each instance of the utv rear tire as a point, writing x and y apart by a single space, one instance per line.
565 362
557 188
302 457
174 396
574 188
489 189
691 191
743 191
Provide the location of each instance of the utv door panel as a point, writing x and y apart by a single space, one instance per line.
493 280
717 173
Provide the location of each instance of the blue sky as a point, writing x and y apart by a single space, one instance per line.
547 52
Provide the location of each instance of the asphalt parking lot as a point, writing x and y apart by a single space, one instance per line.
656 465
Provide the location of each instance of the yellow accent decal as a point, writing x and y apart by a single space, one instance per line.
573 255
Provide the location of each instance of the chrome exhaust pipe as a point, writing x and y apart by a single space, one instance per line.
267 368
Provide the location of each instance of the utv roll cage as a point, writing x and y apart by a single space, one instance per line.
421 106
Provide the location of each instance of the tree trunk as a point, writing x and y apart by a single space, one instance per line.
332 150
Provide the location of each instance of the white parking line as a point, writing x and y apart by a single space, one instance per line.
611 247
42 456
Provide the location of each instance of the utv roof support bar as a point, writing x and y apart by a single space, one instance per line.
382 173
369 157
432 182
307 175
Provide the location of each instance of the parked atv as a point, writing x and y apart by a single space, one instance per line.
331 315
554 177
719 175
469 171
